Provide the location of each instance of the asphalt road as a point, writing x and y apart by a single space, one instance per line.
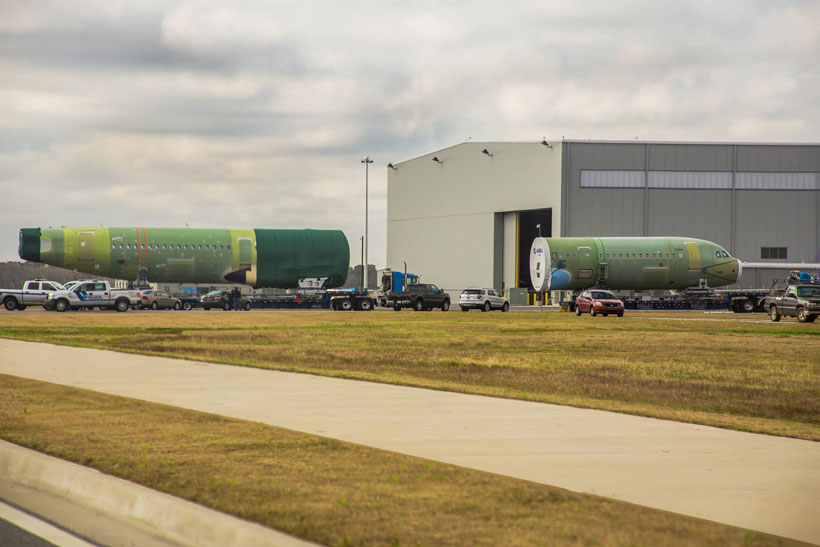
765 483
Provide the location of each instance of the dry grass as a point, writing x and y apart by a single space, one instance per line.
715 369
324 490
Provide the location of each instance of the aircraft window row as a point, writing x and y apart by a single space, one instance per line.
623 255
164 246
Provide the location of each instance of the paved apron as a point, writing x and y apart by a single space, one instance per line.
760 482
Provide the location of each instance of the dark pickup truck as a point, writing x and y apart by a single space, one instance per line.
798 300
420 297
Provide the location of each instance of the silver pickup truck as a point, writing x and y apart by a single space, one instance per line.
34 293
799 300
93 294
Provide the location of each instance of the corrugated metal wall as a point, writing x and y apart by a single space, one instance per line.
742 196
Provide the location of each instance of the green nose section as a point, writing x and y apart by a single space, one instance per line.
29 247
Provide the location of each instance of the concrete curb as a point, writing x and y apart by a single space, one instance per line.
162 515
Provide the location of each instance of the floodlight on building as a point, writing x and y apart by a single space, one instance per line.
545 143
486 153
393 167
435 159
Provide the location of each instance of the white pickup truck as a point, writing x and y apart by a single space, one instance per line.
34 293
93 294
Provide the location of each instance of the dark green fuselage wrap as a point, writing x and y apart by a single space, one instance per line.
261 258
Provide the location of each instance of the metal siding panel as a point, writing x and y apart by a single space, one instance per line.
690 157
691 213
776 218
773 158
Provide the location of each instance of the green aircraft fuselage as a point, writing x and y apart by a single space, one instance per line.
256 257
629 263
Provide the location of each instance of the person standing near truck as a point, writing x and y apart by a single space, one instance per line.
236 294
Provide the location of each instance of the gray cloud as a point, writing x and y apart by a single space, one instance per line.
257 113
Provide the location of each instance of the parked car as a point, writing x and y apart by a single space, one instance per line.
597 301
34 293
159 300
93 294
482 299
420 297
222 299
798 300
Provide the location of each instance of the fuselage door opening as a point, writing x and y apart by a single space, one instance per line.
694 255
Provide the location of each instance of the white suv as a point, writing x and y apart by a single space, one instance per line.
482 299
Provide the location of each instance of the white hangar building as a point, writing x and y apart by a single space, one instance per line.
466 215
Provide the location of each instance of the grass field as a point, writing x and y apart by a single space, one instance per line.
324 490
726 370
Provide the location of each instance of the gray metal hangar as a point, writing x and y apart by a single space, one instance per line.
466 215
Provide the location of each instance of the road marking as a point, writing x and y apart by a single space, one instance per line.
40 528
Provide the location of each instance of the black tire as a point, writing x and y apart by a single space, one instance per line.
21 308
207 308
506 307
774 314
154 305
803 315
61 305
418 305
465 309
246 306
486 307
620 314
592 310
346 305
122 305
366 304
226 306
10 303
445 306
577 310
177 305
396 308
747 306
187 306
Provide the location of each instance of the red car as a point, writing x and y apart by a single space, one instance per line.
596 301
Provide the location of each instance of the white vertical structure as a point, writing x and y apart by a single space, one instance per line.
366 161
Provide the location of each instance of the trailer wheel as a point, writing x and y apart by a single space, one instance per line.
187 306
10 303
775 315
366 304
803 315
747 306
346 305
418 305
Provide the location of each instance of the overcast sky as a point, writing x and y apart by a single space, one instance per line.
257 114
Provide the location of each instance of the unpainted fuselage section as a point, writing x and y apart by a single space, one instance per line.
630 263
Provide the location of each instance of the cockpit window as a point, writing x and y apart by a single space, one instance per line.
724 254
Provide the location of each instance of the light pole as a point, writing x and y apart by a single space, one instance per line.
366 161
362 238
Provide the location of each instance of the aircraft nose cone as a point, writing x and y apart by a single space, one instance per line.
739 269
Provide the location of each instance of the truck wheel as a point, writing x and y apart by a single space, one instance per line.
591 310
226 306
803 315
445 306
486 307
346 305
61 305
177 306
246 306
366 304
10 303
747 306
122 305
505 307
154 306
418 305
774 314
187 306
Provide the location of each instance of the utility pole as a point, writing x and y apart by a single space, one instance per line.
366 161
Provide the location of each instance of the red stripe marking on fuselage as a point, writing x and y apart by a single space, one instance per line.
139 253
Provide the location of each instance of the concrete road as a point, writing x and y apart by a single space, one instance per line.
758 482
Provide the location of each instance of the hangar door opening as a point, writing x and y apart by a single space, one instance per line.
528 222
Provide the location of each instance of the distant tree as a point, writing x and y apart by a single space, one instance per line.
14 274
